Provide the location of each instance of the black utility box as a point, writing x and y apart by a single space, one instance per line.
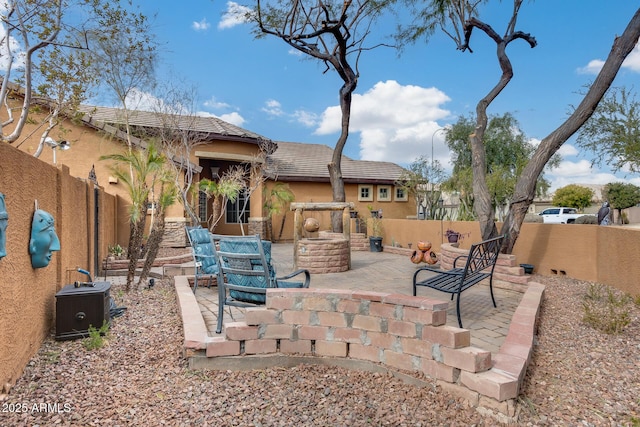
77 308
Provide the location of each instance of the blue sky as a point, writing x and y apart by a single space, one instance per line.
401 101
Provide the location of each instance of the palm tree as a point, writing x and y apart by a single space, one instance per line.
143 165
166 197
226 188
277 201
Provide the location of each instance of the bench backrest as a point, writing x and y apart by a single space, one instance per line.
483 255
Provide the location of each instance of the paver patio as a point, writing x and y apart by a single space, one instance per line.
391 273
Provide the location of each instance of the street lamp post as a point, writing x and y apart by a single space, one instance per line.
431 168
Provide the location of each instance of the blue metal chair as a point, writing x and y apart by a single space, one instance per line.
245 272
204 256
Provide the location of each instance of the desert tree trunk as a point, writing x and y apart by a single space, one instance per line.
483 205
525 187
335 167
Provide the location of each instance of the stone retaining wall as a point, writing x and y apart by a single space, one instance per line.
403 333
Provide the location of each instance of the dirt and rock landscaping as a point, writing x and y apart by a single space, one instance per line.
137 376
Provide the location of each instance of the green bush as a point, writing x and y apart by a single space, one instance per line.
96 337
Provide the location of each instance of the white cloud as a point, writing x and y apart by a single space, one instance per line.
593 67
306 118
234 118
202 25
632 62
534 142
215 104
568 150
579 172
235 15
16 50
144 101
273 108
396 122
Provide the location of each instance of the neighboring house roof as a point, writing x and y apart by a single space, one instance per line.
209 128
294 161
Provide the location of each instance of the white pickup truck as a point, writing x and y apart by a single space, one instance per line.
559 215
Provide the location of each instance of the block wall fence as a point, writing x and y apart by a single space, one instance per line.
402 333
27 295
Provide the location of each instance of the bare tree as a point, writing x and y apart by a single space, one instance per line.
175 110
525 187
124 52
463 15
333 32
44 58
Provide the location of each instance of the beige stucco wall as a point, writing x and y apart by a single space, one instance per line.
606 255
321 192
27 295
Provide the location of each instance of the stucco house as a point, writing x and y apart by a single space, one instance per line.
214 147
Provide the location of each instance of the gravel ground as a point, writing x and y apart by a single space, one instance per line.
578 377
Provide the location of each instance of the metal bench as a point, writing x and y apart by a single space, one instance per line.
480 263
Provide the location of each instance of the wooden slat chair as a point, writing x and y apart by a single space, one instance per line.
204 256
245 273
480 263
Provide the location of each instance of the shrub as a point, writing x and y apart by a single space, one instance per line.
587 219
116 251
96 336
606 310
533 218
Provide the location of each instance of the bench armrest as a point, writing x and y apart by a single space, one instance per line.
307 277
459 257
435 270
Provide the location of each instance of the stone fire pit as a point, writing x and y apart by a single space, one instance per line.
322 255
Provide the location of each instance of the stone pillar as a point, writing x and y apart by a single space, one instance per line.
297 235
174 235
258 225
346 230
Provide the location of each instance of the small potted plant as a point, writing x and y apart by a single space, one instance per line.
453 236
116 251
375 240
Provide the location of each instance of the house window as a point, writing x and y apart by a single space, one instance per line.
365 193
202 206
401 194
384 193
238 209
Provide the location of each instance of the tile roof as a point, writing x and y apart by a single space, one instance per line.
205 125
291 161
295 161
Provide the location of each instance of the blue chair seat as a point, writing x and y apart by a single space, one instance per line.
246 272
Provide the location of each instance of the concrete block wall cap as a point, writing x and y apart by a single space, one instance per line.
370 295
